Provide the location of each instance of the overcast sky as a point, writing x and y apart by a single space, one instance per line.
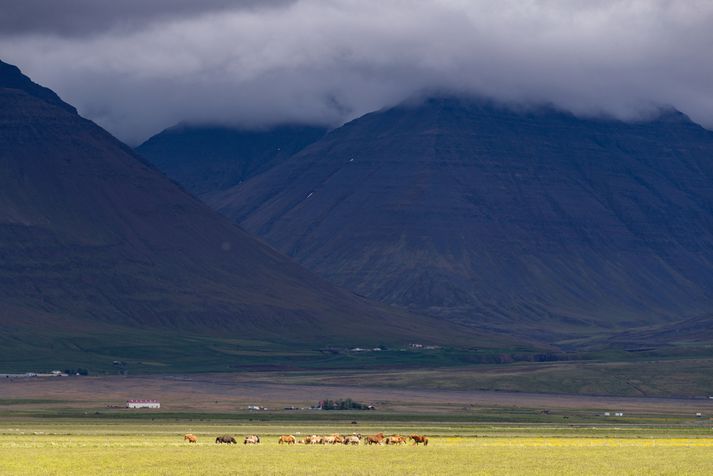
138 66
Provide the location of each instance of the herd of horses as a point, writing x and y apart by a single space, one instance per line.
333 439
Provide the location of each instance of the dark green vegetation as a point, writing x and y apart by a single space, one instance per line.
147 350
102 257
533 222
207 159
481 422
343 404
535 422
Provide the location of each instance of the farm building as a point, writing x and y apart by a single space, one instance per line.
143 404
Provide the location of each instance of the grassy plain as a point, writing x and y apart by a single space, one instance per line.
660 377
121 447
73 425
678 372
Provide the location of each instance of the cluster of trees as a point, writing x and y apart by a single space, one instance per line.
346 404
79 371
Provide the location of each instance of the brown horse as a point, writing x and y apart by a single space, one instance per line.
190 437
377 439
227 439
419 439
395 440
288 439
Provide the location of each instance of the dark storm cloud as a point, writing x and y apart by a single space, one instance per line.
86 17
328 61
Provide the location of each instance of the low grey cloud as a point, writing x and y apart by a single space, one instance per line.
328 61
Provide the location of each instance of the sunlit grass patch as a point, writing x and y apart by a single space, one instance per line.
128 450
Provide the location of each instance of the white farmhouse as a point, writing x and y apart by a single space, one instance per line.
143 404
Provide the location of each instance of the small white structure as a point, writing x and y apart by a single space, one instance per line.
143 404
607 414
619 414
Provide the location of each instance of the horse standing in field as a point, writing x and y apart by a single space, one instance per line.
333 439
352 439
251 440
377 439
287 439
417 439
313 440
227 439
190 437
395 440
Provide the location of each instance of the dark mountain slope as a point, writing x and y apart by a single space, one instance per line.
534 218
208 159
93 239
12 78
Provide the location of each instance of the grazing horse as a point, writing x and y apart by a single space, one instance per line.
314 440
288 439
329 440
419 439
377 439
352 439
395 440
190 437
227 439
251 440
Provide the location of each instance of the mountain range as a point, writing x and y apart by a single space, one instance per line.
96 241
485 229
207 159
528 220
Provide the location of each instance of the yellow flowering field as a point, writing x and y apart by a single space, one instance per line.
112 451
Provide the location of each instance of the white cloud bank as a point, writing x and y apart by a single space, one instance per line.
329 61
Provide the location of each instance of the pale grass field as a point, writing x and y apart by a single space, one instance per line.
159 454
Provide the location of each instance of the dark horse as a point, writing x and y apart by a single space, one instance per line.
226 439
